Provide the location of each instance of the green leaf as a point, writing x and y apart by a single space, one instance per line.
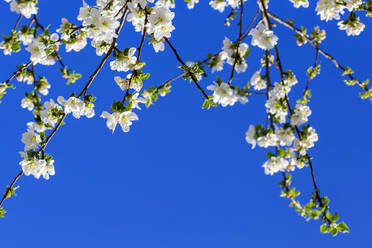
342 227
334 232
325 228
335 217
2 212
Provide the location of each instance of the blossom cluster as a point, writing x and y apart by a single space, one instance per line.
226 95
333 9
27 8
286 131
291 151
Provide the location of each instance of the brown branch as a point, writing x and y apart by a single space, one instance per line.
183 63
278 61
139 49
241 37
104 59
246 32
321 51
92 77
18 21
309 76
10 187
24 66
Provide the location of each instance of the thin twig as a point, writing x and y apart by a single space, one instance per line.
100 66
18 21
183 63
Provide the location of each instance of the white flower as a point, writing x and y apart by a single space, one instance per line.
84 12
31 139
37 167
250 136
26 9
191 3
353 28
136 16
48 115
285 136
258 82
33 167
37 50
353 4
135 83
275 164
300 115
112 119
275 107
124 62
122 83
160 22
218 66
158 45
329 10
28 78
218 5
124 119
230 52
165 3
135 100
77 107
263 37
26 38
101 26
72 105
234 3
142 3
48 169
39 126
27 103
306 142
293 161
223 94
44 87
267 140
299 3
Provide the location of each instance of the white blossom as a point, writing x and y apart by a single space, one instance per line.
300 114
27 9
258 81
300 3
191 3
250 136
77 107
285 136
267 140
37 167
263 37
48 115
125 62
31 139
160 22
124 119
353 28
306 142
219 5
274 165
223 94
27 103
329 10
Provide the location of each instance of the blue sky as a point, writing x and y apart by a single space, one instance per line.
185 177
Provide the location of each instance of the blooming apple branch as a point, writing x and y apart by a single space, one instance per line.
286 129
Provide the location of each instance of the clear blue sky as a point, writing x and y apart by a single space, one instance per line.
185 177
